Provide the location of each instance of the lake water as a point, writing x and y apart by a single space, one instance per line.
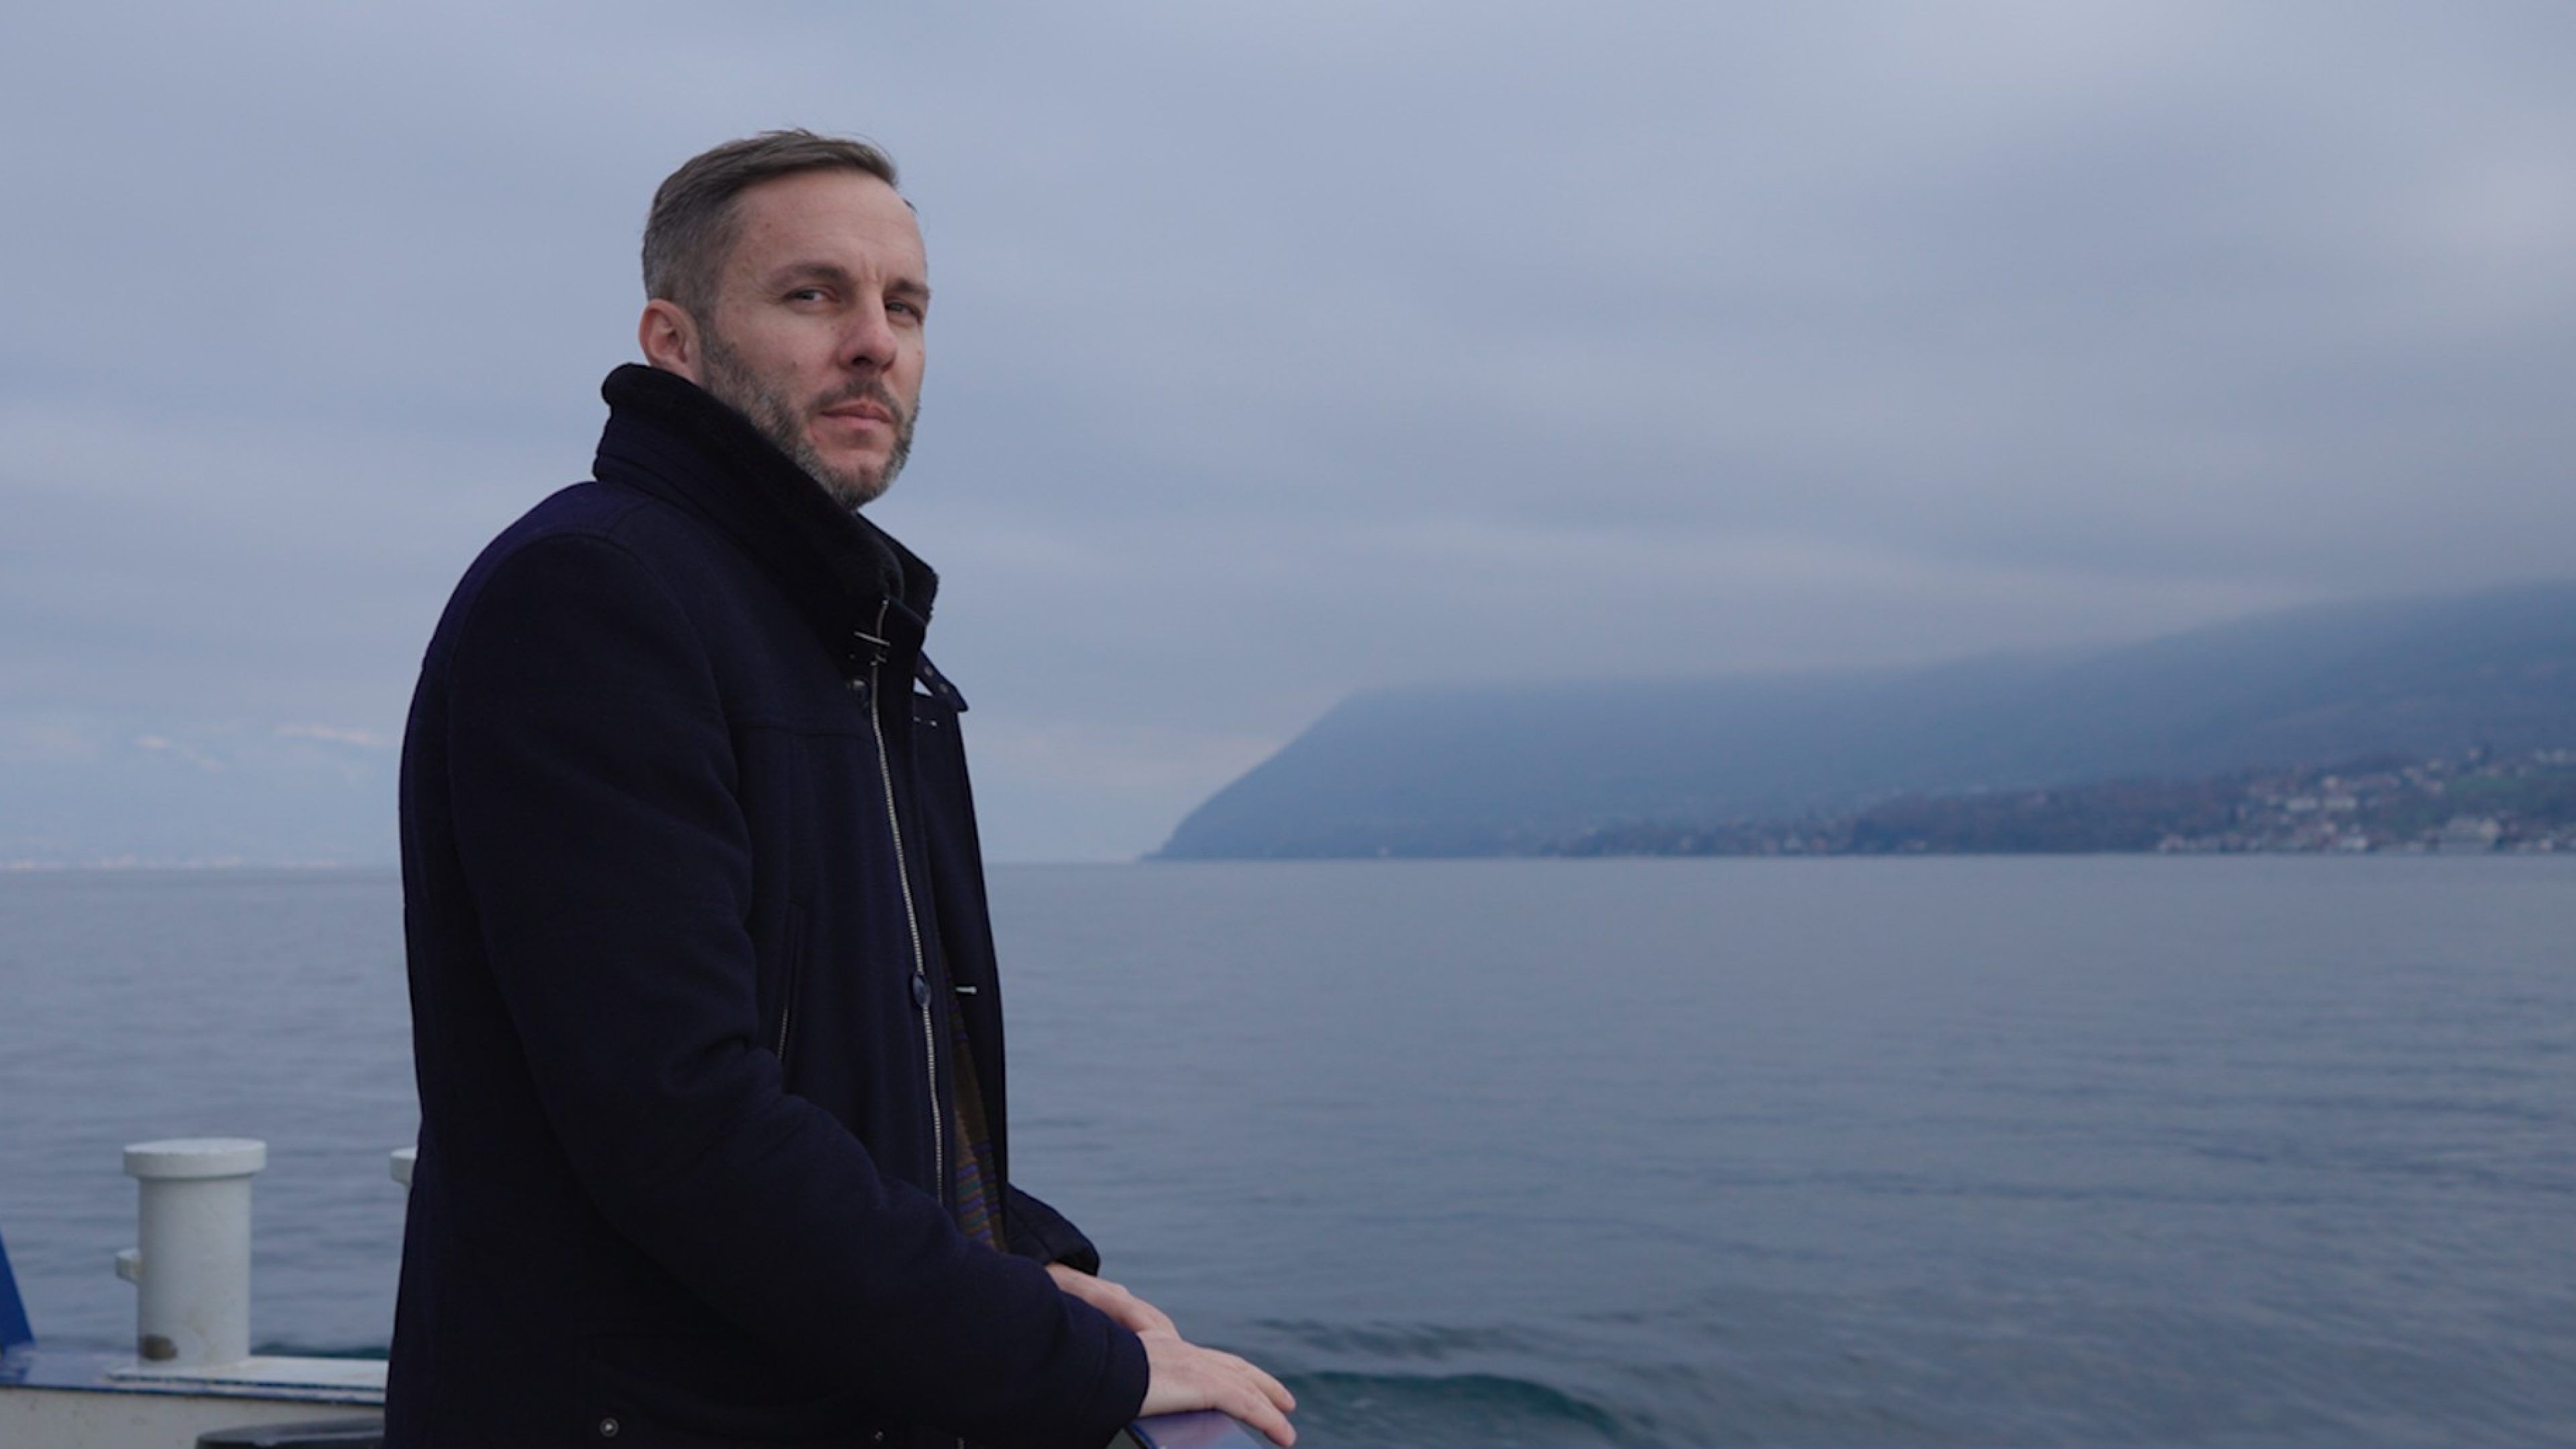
2103 1151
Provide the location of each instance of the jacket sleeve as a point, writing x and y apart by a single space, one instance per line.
1041 1233
593 791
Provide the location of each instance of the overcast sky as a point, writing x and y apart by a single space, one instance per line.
1283 351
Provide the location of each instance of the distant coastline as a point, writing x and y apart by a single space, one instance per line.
2471 804
2375 726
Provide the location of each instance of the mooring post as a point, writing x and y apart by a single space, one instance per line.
192 1269
14 1332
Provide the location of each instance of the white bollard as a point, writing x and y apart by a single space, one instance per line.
192 1271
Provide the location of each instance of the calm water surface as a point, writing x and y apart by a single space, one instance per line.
1922 1152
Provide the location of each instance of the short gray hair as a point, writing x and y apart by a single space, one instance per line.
691 229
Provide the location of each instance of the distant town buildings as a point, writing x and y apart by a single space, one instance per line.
2473 804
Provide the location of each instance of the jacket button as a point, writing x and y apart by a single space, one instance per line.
608 1428
920 992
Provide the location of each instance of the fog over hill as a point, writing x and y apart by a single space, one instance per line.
1507 770
1504 770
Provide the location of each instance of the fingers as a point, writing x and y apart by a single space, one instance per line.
1140 1315
1270 1389
1260 1413
1186 1376
1183 1375
1121 1305
1261 1401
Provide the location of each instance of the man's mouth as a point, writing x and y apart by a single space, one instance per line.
869 407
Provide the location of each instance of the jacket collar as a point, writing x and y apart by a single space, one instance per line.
672 439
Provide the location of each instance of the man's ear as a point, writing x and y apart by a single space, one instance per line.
669 336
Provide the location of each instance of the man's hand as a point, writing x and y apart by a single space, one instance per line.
1184 1375
1135 1313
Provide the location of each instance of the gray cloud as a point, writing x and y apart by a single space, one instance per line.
1283 352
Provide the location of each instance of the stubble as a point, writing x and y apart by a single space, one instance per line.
779 419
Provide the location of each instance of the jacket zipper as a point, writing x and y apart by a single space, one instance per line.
911 918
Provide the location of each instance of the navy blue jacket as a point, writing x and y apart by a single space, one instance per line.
691 889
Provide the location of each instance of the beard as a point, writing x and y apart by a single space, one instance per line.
782 422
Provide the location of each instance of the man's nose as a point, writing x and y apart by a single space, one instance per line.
871 341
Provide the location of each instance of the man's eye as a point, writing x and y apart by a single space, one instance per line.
905 309
806 294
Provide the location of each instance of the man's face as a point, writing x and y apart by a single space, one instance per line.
817 328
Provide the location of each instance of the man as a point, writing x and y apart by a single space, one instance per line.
714 1146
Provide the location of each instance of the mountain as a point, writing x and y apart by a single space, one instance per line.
1505 770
